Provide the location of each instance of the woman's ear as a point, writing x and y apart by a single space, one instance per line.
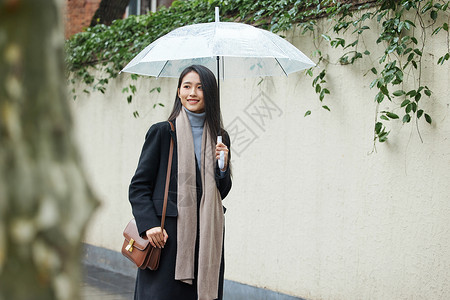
178 93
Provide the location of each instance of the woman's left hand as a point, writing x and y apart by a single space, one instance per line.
224 148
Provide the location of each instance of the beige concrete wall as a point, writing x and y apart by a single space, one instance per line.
312 213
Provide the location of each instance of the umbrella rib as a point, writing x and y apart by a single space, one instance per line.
162 68
276 45
223 67
281 67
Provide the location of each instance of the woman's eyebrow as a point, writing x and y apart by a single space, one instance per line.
188 82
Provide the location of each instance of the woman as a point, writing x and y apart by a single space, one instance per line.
191 265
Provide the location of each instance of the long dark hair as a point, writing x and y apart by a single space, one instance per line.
210 95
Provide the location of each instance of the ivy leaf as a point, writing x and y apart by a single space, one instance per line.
428 118
391 115
417 97
379 97
411 93
383 136
408 108
378 127
433 15
158 89
399 93
406 118
419 113
405 102
326 37
129 98
443 59
384 90
322 74
436 31
427 7
318 88
410 23
322 95
307 113
315 81
326 107
372 84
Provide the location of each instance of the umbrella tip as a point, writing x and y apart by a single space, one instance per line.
217 14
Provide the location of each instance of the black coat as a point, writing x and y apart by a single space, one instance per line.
146 195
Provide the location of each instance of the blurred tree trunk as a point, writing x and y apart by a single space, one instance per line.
108 11
45 201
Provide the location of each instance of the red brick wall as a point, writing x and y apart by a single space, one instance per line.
78 15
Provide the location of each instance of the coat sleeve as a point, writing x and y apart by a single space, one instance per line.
224 181
143 182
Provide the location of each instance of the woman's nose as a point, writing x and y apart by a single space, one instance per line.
193 92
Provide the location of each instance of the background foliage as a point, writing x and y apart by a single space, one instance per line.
402 31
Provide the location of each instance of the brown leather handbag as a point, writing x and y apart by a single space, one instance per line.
138 249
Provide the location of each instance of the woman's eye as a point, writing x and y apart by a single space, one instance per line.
199 87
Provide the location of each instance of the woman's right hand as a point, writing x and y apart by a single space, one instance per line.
156 238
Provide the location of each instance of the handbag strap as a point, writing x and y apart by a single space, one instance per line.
169 168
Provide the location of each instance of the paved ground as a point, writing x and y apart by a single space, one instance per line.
100 284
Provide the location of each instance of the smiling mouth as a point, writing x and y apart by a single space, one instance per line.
193 101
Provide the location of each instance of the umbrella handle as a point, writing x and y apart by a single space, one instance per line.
222 154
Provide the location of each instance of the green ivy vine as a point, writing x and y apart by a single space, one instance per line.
401 31
402 34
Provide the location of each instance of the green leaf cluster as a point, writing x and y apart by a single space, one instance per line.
401 33
111 47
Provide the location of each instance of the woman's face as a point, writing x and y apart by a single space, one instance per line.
191 94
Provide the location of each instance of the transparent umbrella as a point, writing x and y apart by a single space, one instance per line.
230 50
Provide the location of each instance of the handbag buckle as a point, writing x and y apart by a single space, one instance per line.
129 247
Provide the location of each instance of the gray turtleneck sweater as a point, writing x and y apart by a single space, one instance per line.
197 121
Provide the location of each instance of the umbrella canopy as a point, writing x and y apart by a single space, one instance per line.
242 51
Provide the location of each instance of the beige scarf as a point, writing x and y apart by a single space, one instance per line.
211 212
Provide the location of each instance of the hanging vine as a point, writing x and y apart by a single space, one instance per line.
402 28
403 53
